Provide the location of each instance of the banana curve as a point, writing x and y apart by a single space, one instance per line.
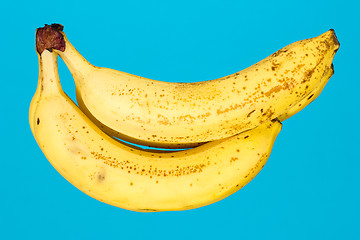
181 115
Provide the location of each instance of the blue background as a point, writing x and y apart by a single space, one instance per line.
308 190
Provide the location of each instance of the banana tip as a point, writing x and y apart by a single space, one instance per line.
335 39
50 37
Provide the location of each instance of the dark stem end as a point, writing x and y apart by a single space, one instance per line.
50 37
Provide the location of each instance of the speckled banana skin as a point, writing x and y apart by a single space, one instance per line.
175 115
134 179
310 97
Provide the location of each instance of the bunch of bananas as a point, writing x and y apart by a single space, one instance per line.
229 124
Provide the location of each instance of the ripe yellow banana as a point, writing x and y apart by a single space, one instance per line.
133 179
176 115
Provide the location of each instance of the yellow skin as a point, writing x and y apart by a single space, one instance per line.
134 179
35 99
176 115
308 98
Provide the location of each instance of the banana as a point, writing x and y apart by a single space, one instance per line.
180 115
133 179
